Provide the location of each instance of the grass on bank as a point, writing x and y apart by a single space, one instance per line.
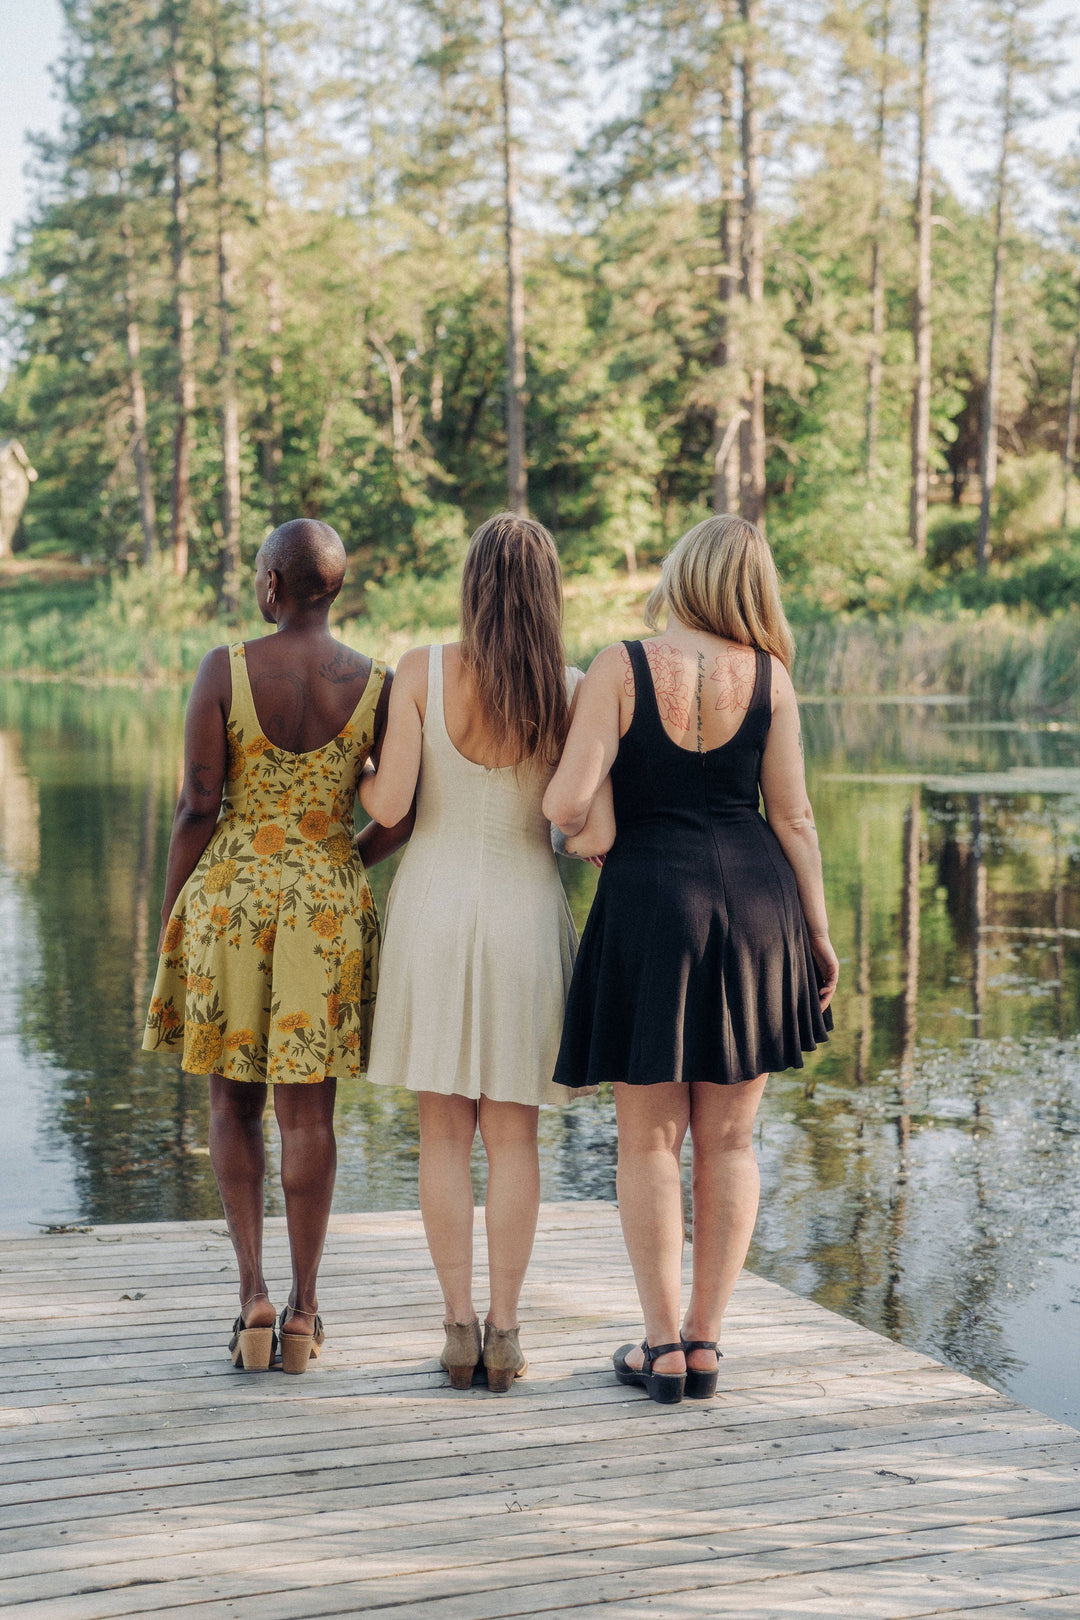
63 622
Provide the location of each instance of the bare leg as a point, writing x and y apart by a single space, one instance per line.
726 1186
305 1116
447 1128
239 1160
513 1201
652 1123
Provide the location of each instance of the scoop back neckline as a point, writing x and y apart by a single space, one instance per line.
694 753
303 753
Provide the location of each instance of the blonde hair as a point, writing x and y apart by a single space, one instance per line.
721 578
511 635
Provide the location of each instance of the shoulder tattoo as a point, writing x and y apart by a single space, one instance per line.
343 666
734 672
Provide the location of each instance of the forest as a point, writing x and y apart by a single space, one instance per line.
399 263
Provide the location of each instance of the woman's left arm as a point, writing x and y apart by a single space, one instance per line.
387 793
591 746
788 812
205 757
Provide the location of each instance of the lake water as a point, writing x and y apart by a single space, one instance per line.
921 1174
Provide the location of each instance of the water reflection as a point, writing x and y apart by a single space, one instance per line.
919 1175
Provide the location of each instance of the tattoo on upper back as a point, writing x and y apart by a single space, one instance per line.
342 667
669 682
734 672
286 719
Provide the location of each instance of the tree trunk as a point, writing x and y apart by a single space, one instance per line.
988 449
272 441
183 314
728 415
877 261
137 393
395 371
921 329
516 477
1068 453
752 431
230 412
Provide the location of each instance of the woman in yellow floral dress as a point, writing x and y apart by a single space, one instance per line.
270 938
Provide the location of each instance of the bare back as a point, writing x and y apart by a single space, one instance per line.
466 724
305 687
703 686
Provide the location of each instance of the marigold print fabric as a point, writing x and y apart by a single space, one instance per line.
269 964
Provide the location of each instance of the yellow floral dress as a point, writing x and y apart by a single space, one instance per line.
270 959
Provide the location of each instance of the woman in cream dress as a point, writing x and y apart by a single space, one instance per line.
479 944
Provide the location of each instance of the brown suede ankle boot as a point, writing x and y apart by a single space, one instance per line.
461 1352
503 1358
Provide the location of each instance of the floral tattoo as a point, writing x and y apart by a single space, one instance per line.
734 673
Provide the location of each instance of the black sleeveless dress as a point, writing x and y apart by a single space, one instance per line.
695 963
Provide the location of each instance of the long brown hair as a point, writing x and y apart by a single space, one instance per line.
511 635
721 578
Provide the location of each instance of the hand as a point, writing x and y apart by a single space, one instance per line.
595 860
828 967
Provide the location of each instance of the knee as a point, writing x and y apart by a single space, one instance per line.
508 1127
731 1137
237 1104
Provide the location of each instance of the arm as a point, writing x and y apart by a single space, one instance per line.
375 843
387 792
598 834
591 746
199 804
788 812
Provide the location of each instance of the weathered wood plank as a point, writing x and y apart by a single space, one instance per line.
141 1475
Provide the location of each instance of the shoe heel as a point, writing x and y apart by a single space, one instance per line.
297 1350
700 1386
665 1388
462 1377
500 1379
254 1349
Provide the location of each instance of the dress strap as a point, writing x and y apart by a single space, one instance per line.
761 697
369 698
242 711
648 710
435 712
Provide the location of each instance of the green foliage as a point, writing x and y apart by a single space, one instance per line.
349 161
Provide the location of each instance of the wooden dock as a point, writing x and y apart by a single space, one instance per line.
837 1474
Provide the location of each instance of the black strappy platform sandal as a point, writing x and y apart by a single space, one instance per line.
701 1386
667 1388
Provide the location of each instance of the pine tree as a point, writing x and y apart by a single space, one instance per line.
922 337
1022 48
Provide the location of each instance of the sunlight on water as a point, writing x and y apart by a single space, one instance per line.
921 1174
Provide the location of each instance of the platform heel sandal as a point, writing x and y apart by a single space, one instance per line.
461 1353
504 1359
298 1349
251 1349
666 1388
701 1386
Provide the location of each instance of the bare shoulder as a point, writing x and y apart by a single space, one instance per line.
609 664
411 675
214 676
783 688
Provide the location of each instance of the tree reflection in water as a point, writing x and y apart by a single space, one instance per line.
915 1173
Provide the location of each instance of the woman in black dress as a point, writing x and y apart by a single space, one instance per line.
706 962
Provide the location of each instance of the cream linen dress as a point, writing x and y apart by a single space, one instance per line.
479 945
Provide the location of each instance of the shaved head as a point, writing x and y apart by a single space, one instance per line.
308 557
